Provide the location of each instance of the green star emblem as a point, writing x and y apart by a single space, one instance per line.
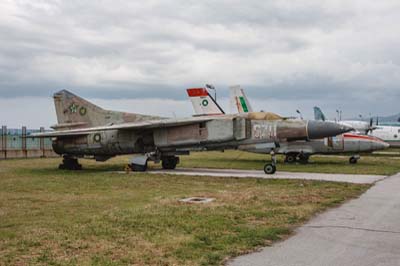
73 108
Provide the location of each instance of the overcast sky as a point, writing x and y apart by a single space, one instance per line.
139 56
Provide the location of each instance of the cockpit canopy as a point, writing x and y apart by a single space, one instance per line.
264 116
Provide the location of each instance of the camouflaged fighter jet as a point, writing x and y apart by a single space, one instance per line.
301 150
86 130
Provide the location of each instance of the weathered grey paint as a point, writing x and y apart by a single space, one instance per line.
332 145
75 112
217 133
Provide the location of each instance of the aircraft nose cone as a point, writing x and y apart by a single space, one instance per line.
385 145
380 145
323 129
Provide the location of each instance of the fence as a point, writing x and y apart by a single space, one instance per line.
16 143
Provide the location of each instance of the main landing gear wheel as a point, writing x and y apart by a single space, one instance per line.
303 158
270 169
70 164
353 160
290 158
169 162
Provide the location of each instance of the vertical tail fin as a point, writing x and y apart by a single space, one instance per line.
318 114
239 99
76 112
203 103
73 111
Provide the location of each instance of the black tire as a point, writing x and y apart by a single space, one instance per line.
269 169
290 158
169 163
303 158
72 165
353 160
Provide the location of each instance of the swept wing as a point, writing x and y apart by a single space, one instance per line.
151 124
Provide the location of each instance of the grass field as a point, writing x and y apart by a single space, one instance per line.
99 217
368 164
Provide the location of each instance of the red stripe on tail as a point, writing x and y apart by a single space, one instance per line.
197 92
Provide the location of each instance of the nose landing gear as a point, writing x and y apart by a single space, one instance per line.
270 168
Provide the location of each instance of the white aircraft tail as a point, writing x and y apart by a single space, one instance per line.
203 102
239 99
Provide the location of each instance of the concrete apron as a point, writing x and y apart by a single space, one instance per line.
349 178
364 231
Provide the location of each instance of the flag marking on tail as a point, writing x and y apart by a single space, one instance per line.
239 98
197 92
244 105
203 103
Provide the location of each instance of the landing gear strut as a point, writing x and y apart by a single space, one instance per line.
70 163
270 168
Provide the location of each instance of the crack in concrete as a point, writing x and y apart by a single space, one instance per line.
352 228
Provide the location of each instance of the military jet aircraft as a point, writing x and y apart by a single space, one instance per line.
300 150
86 130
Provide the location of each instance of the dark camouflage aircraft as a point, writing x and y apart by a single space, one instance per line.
86 130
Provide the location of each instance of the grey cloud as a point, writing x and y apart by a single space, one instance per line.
328 51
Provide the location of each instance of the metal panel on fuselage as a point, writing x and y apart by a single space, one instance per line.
211 132
111 142
292 129
338 144
335 143
264 130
